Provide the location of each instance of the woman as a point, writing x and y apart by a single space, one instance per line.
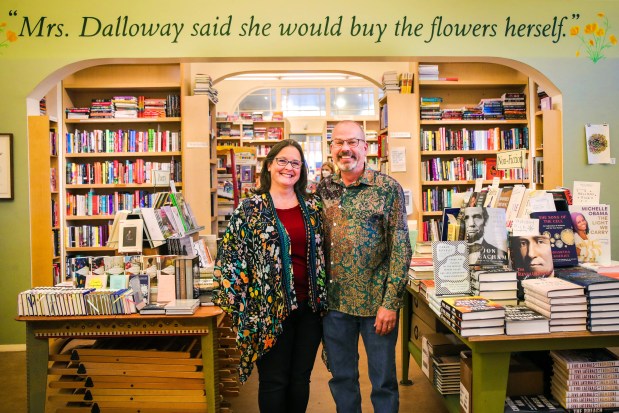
586 249
270 266
327 169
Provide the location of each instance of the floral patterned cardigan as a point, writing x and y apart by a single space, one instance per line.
254 271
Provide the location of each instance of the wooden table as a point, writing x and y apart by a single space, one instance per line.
39 330
491 354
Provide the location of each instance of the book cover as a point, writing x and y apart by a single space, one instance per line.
503 199
450 216
133 264
114 265
515 200
472 307
531 258
589 279
486 235
532 404
451 268
557 226
552 287
592 232
524 320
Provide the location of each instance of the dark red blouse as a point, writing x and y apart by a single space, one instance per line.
292 219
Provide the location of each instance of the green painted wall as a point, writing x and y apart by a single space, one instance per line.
52 35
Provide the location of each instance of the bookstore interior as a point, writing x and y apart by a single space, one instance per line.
146 163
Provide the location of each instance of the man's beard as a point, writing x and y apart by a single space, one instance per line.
346 167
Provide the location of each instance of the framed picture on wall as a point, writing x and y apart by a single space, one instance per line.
6 166
130 235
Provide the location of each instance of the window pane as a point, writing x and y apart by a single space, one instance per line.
262 100
304 101
352 101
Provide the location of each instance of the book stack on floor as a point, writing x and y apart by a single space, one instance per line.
460 312
563 302
532 404
524 320
446 377
602 294
585 379
499 284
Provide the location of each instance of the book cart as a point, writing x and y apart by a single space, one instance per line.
490 354
136 380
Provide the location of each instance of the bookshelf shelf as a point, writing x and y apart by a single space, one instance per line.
113 186
475 122
89 249
123 155
115 120
463 152
486 182
88 217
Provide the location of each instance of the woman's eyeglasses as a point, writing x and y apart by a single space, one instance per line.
283 162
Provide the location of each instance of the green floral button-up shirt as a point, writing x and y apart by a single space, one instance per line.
367 248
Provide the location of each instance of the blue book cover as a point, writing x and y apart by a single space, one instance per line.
558 226
587 278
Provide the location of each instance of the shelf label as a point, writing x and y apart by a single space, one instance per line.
196 144
400 135
511 159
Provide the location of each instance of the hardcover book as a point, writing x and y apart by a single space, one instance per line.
532 404
473 307
524 320
592 232
552 287
558 227
589 279
451 268
486 235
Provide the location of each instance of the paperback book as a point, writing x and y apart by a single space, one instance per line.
451 268
592 232
557 226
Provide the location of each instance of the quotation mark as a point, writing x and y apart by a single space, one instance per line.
575 16
12 12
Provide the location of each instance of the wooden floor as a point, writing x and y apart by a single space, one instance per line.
418 398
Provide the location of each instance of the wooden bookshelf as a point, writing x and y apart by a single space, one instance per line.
42 229
478 81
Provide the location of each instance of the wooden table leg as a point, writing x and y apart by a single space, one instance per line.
405 333
210 367
37 355
490 371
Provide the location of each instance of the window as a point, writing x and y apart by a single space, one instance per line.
261 100
352 101
304 101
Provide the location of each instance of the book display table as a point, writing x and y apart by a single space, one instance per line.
491 354
42 333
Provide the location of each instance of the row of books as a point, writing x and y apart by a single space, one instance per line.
508 106
460 168
203 85
137 171
62 301
128 107
444 139
249 117
127 140
92 204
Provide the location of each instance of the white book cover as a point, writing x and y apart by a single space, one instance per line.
552 287
592 232
514 204
451 268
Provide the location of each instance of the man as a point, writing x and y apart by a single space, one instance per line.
368 254
532 255
481 252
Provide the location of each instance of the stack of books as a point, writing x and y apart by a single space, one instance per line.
585 379
446 377
390 81
602 295
428 72
431 108
203 85
421 268
521 319
498 284
125 107
563 302
458 311
514 105
182 306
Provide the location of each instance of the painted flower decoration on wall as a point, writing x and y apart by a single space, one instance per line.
594 38
9 37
